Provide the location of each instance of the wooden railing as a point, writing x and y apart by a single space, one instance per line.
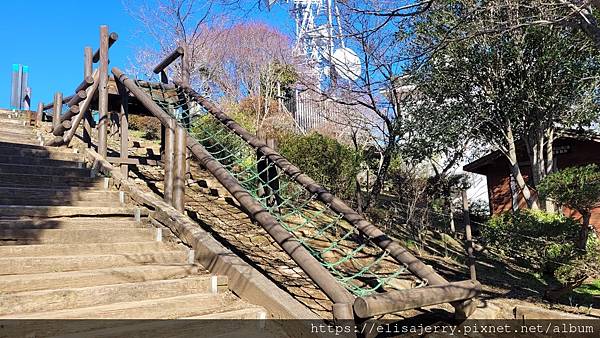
176 141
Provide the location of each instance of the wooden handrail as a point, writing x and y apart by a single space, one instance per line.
319 274
112 38
400 300
399 253
168 60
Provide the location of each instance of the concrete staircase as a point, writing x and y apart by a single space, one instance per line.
71 248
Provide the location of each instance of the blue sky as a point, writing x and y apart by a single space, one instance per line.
49 37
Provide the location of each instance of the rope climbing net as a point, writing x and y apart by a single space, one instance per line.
354 260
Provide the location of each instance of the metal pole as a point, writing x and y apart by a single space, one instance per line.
467 220
103 93
23 94
14 93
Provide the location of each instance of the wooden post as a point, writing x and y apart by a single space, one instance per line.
103 93
185 65
124 128
87 71
452 226
268 174
467 220
57 109
179 168
185 80
169 140
163 131
40 113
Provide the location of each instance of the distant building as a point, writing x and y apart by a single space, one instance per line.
570 149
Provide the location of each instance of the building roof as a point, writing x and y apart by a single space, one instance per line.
478 166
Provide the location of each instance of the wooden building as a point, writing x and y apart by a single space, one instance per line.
570 149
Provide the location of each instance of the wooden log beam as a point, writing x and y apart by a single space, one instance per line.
400 300
154 85
179 168
87 81
124 128
112 38
168 60
57 109
65 124
84 111
87 61
134 161
103 92
87 71
40 114
75 99
399 253
169 141
319 274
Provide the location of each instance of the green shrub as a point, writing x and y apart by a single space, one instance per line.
541 240
582 266
327 161
149 125
577 188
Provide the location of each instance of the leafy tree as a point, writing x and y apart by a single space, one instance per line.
577 188
501 88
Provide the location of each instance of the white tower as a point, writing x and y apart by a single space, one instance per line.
320 40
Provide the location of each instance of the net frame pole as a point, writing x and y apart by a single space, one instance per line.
319 274
103 93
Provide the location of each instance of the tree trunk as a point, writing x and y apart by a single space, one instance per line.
549 167
584 231
381 176
516 171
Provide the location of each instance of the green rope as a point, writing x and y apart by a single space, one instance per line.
296 210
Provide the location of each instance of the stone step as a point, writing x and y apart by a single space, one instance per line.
64 236
67 211
21 141
74 193
47 181
66 197
77 279
5 121
15 131
60 202
161 308
40 161
12 149
120 248
44 170
8 114
28 139
31 265
226 322
70 223
70 298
